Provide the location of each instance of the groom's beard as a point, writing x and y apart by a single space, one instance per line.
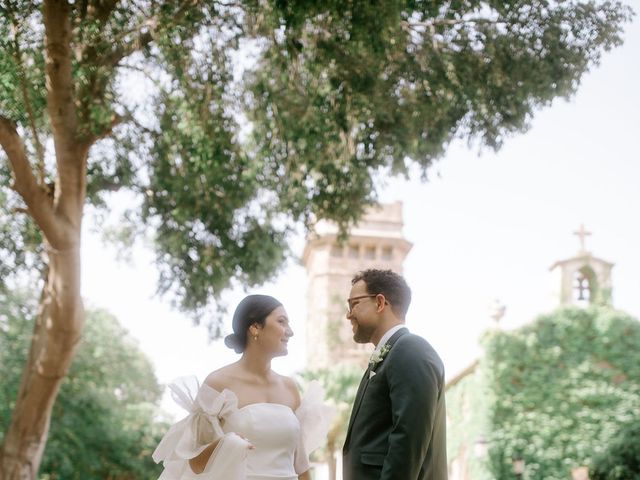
362 334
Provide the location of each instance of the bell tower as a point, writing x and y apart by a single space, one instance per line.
583 279
375 242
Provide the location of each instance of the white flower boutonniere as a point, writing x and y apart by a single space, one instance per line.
378 356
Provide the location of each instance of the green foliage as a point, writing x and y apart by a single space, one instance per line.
621 459
403 79
468 424
217 222
560 389
234 122
15 334
20 239
22 62
103 421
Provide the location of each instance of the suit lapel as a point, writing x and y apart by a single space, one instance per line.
365 381
356 403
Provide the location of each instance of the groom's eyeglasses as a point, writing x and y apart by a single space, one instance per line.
350 304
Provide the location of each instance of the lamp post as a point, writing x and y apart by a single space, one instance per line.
580 473
480 447
518 467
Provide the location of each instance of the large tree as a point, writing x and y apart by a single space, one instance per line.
235 121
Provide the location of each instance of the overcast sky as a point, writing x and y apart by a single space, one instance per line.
485 226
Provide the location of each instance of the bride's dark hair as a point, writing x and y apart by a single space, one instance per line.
252 309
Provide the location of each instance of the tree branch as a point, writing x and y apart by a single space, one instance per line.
415 27
70 155
37 199
101 10
448 21
115 121
147 74
144 33
144 128
17 55
59 75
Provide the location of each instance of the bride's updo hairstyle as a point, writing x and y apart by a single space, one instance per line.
252 309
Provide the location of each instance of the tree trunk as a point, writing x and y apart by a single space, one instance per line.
56 334
61 314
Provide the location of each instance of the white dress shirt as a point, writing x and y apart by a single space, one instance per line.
388 334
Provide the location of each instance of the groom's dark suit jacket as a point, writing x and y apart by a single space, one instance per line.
397 429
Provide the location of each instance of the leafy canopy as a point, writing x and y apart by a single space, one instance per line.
232 122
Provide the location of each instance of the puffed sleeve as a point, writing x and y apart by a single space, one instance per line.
315 418
186 439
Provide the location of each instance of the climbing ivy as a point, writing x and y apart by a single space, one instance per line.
468 422
561 388
621 458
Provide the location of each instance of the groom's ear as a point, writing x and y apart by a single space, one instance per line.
381 302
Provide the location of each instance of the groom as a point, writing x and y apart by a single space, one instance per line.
397 429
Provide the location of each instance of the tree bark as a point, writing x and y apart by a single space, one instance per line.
61 314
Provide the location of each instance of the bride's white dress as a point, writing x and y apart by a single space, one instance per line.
282 438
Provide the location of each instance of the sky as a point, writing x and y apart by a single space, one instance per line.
486 226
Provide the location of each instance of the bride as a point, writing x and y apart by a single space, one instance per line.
246 422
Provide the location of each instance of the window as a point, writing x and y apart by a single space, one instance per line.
581 290
584 286
370 253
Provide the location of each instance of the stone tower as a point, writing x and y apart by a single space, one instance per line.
375 242
582 280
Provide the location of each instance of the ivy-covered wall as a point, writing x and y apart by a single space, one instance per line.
553 393
562 386
467 425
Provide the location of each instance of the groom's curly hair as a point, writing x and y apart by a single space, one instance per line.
390 284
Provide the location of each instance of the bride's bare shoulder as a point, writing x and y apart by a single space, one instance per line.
292 387
222 378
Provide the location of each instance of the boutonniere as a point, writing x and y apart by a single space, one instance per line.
378 356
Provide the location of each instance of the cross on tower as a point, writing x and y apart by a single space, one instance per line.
582 233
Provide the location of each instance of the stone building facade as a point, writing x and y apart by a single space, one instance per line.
376 241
